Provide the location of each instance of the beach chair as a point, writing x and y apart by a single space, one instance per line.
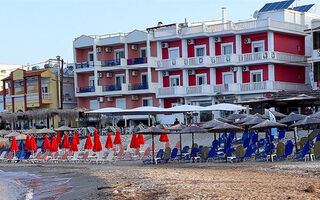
158 156
45 156
304 154
26 156
316 150
193 156
75 157
245 135
288 150
99 158
2 156
55 157
36 157
282 134
174 154
212 153
185 151
85 156
19 156
64 157
166 156
248 153
9 156
109 157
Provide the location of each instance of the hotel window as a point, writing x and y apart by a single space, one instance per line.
258 46
256 76
90 56
143 52
200 50
91 81
173 53
118 54
174 80
147 102
44 89
227 48
201 79
227 77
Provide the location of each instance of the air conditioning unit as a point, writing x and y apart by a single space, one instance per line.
165 73
234 69
247 41
98 49
134 47
108 49
109 74
134 97
100 75
164 45
245 68
192 72
134 73
190 41
217 39
100 99
109 98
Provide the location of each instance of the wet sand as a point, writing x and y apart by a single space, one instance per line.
132 180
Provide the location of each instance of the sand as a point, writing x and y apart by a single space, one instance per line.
132 180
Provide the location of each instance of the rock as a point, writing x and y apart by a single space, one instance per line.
311 189
115 192
274 167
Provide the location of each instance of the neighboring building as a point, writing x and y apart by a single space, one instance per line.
69 100
116 70
315 59
5 70
199 63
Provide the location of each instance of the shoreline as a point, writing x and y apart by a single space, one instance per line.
133 180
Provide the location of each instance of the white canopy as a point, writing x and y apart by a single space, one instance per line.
225 107
186 108
109 110
144 110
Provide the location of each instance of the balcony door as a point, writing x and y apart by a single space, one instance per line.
91 81
227 77
200 50
90 58
173 53
118 54
144 79
227 48
258 46
201 79
174 80
256 76
119 80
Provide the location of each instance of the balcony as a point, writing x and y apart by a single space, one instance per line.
199 90
175 91
137 61
84 66
46 96
253 86
109 88
86 89
198 61
110 63
138 86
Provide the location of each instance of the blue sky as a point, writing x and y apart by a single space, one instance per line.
34 30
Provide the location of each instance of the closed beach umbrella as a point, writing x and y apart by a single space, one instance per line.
97 143
59 141
117 139
33 144
109 144
88 144
54 145
74 144
46 143
14 145
28 143
136 142
133 140
66 143
76 134
164 138
141 139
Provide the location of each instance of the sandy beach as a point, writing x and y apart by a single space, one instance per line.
132 180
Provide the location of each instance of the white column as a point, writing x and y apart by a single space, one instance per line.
238 44
95 59
159 50
148 48
184 48
239 75
127 76
126 51
160 78
185 77
212 76
270 41
149 76
271 75
212 47
75 82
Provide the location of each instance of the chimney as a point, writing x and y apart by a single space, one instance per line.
224 18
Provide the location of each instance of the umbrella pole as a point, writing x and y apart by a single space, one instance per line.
295 137
226 145
309 143
180 147
153 160
270 145
219 140
258 141
192 147
149 119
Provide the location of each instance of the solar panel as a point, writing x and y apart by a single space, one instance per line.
304 8
276 6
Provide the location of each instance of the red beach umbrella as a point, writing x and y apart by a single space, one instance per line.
66 143
137 142
14 145
77 137
117 139
109 144
28 142
54 145
74 145
46 143
164 138
97 143
88 144
59 141
141 139
133 140
33 144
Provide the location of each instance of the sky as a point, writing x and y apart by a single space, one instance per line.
33 31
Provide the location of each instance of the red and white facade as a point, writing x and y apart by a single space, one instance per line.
197 63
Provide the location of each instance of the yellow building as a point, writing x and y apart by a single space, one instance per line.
30 90
5 70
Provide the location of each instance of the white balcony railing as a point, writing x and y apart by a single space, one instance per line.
276 85
272 56
167 63
171 91
224 59
199 90
46 96
205 60
253 86
287 57
32 96
221 88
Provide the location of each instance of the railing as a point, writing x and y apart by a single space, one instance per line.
32 96
253 86
109 88
46 96
171 91
198 60
110 35
221 88
199 89
170 63
110 63
138 86
83 65
276 85
223 59
288 57
166 31
86 89
253 56
137 61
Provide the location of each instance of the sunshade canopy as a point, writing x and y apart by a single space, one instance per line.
267 124
193 129
152 131
64 128
225 128
292 117
307 121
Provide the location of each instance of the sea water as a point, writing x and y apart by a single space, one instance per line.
23 185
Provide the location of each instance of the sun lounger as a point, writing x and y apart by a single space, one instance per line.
2 156
10 156
75 157
26 156
288 150
55 157
304 154
36 157
85 156
166 156
158 156
109 156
